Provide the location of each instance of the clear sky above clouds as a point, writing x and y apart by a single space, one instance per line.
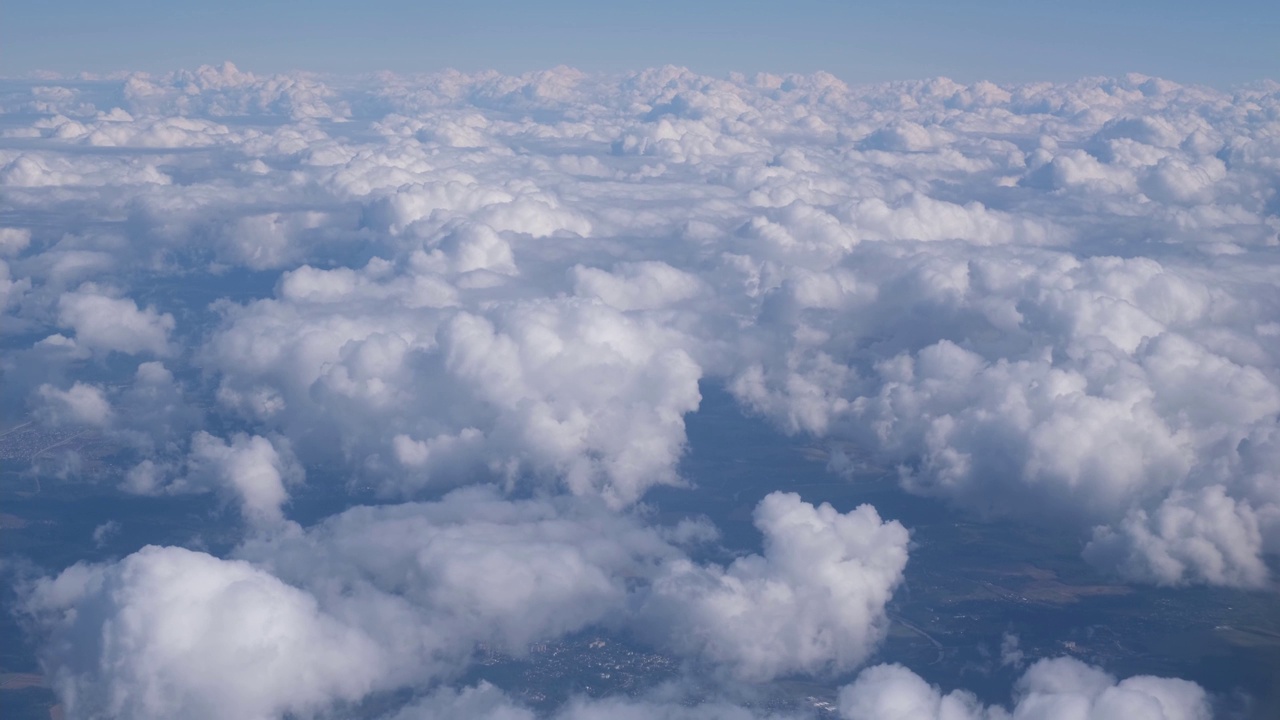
1220 43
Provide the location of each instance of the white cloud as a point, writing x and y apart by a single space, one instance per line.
582 391
568 390
105 532
226 90
103 322
1207 537
11 291
373 598
813 603
253 471
81 404
637 286
14 240
400 596
1052 301
432 579
1012 381
1050 689
169 632
482 702
1092 256
261 242
1010 653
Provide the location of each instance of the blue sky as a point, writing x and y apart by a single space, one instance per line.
1005 40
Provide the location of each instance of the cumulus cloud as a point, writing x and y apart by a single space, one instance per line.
155 415
470 568
11 290
637 286
81 404
113 324
1052 302
169 632
813 603
374 598
483 702
14 240
407 591
1056 688
1013 381
371 599
569 390
1048 690
1207 537
253 471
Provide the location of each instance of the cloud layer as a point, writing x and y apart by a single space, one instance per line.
1049 302
377 598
